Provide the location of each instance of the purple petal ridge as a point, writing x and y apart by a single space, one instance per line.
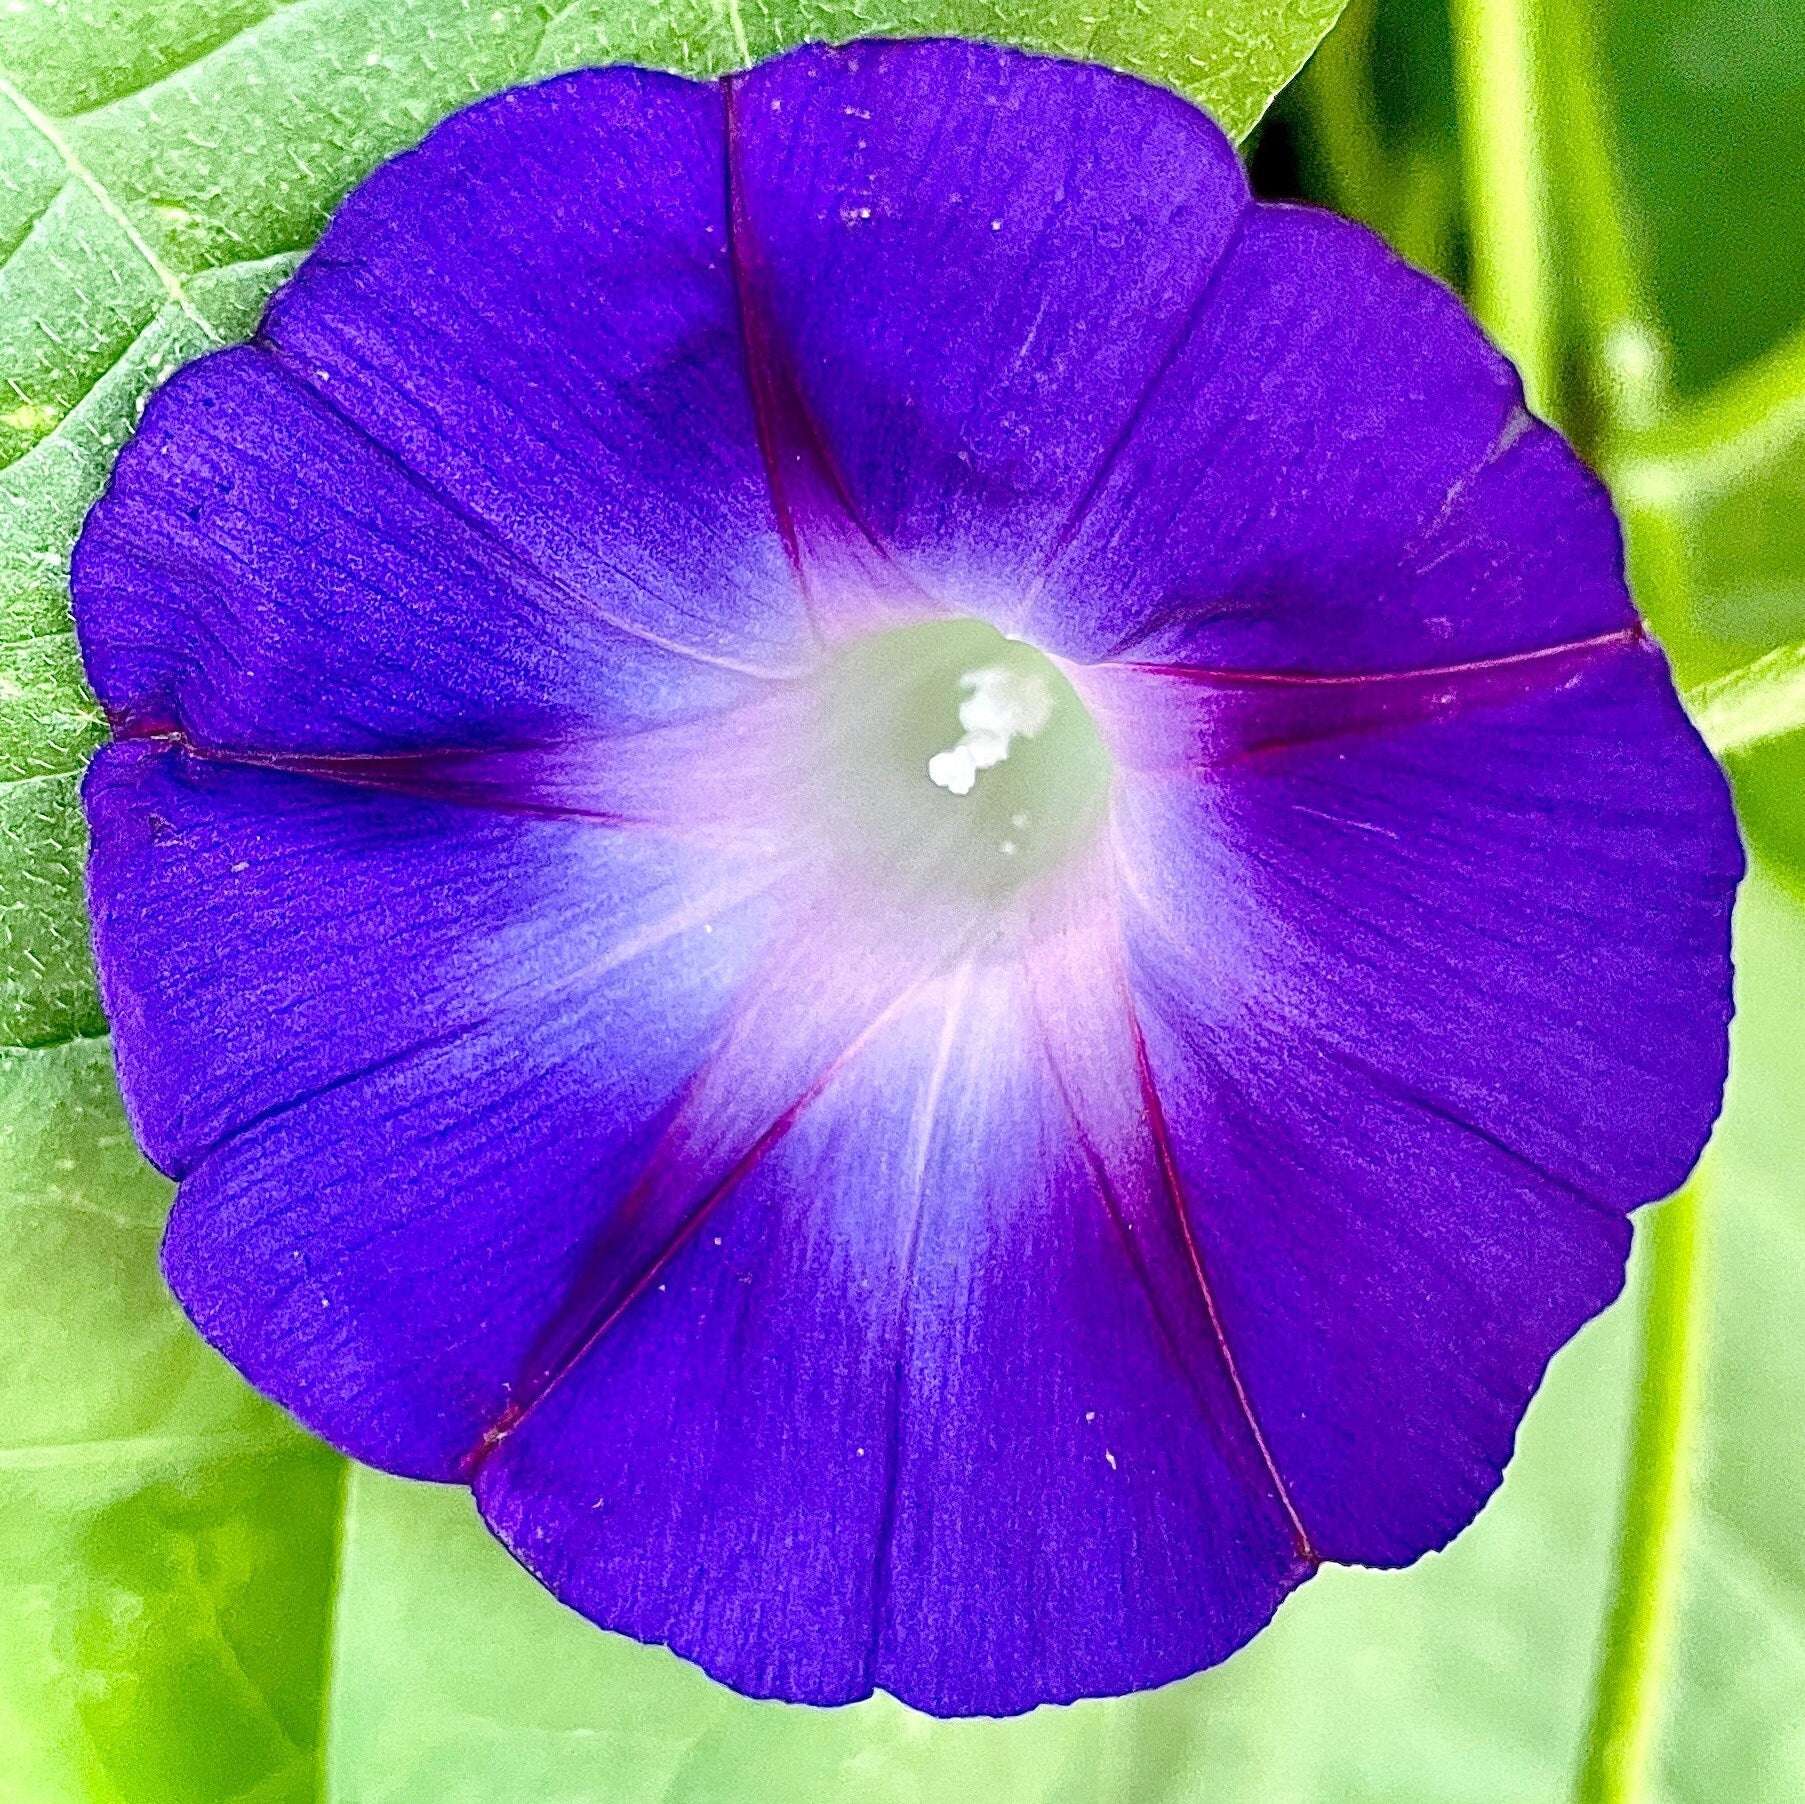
846 1291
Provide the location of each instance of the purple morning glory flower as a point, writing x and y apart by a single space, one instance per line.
925 882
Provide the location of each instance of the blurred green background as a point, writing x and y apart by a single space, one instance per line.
199 1603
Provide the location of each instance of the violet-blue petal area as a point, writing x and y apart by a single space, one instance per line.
537 314
400 1054
1335 475
261 577
928 1402
1430 1009
964 268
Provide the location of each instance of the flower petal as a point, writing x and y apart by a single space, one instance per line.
1430 1009
537 312
489 471
993 1293
927 1402
971 264
399 1053
1335 475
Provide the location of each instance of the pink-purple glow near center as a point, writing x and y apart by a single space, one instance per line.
921 879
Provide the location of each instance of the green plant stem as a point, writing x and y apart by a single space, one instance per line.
1761 701
1420 220
1407 196
1504 92
1627 1694
1336 86
1624 343
1705 449
1497 97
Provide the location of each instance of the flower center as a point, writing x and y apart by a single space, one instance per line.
955 759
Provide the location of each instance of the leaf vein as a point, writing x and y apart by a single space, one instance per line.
47 129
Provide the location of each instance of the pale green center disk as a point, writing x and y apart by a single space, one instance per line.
954 759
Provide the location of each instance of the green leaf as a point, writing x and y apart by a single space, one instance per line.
1232 57
168 1551
171 1542
49 722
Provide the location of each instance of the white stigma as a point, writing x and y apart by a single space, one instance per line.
1003 705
